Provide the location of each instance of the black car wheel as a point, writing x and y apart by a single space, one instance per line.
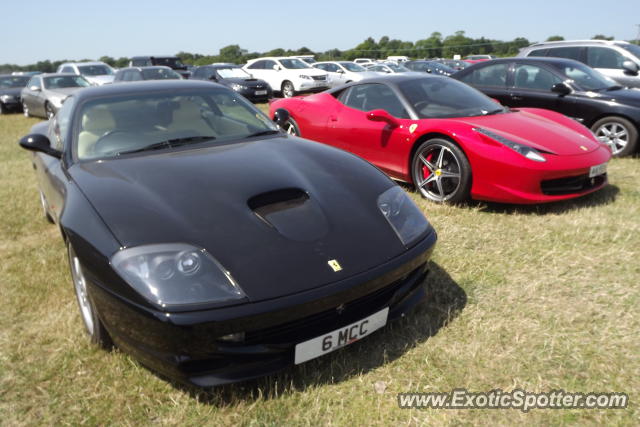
619 133
287 89
291 127
92 323
25 110
48 109
45 209
441 171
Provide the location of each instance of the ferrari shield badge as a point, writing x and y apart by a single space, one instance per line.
413 128
335 265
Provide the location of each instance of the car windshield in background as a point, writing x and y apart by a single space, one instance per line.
110 127
633 48
169 62
351 66
61 82
95 70
587 78
398 68
160 74
446 98
294 64
233 72
13 81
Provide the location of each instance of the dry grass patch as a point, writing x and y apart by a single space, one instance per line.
539 298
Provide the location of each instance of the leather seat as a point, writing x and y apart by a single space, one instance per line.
95 122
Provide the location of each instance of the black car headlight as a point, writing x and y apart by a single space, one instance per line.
529 152
176 274
403 215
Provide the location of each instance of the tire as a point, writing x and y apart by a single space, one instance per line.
441 172
25 110
49 111
94 327
45 209
3 109
619 133
287 89
291 127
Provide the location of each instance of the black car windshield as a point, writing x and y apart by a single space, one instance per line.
294 64
233 72
160 74
587 78
107 127
352 66
442 97
61 82
13 81
633 48
170 62
95 70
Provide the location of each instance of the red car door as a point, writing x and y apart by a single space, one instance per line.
383 140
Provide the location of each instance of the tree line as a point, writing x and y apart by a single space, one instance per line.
434 46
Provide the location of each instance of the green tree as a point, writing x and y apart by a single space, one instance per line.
430 47
601 37
457 44
555 38
231 53
108 60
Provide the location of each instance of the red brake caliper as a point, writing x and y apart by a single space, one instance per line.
425 170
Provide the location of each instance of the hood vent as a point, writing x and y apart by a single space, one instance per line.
291 212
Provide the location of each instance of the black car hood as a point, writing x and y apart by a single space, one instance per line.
202 196
13 91
249 81
625 96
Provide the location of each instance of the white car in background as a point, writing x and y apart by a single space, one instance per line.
364 61
388 68
97 73
341 72
288 75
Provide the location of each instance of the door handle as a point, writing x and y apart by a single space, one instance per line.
333 118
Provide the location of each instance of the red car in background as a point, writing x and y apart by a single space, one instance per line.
451 141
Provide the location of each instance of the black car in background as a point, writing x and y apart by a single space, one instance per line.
234 77
134 74
568 87
455 64
10 87
172 62
431 67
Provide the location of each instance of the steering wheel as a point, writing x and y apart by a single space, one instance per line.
101 146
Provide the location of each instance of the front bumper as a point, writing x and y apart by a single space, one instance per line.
12 104
256 94
527 182
186 346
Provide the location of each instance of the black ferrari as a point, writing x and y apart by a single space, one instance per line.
208 244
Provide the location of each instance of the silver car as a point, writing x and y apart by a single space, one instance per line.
616 59
44 94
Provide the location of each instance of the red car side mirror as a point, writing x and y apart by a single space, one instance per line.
382 116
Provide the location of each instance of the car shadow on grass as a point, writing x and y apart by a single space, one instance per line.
604 196
445 299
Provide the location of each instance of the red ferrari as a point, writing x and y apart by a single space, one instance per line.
451 141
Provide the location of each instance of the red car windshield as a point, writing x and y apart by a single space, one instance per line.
445 98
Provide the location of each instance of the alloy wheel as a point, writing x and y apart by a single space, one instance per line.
615 135
439 173
80 285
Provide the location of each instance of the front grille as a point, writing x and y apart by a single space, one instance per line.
571 184
319 78
329 320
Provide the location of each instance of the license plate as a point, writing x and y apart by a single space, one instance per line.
318 84
341 337
597 170
261 92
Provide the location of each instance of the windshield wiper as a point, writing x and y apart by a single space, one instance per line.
170 143
264 132
492 112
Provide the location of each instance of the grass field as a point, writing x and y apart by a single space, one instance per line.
538 298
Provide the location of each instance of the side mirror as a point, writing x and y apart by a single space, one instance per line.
281 117
34 88
630 68
382 116
214 78
340 71
39 142
276 67
561 89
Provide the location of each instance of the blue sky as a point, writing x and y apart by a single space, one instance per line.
44 29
